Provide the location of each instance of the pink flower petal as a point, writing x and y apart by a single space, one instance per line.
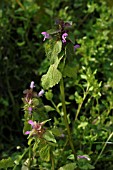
41 93
64 36
30 110
31 122
27 132
32 85
76 46
46 35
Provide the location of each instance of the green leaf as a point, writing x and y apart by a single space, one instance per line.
26 126
70 54
49 95
78 98
35 102
24 167
48 135
6 163
45 121
1 13
70 70
45 153
52 77
70 166
57 131
21 43
48 108
71 37
82 125
71 157
52 49
52 31
20 31
83 76
39 113
35 146
30 140
91 166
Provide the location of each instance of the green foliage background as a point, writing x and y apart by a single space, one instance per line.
22 59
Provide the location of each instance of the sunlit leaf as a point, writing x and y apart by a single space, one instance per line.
45 153
6 163
52 77
52 49
48 135
70 166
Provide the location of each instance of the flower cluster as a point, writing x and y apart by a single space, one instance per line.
62 32
29 95
37 129
30 103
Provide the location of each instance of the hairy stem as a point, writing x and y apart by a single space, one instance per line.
65 116
26 150
52 161
29 163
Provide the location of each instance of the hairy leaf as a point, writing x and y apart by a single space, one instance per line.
48 135
52 49
70 70
6 163
70 166
52 77
49 95
70 54
45 153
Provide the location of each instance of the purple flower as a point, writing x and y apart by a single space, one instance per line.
32 85
27 132
83 157
36 128
41 93
30 110
31 123
76 46
64 36
46 35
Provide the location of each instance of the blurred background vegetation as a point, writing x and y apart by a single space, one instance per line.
22 57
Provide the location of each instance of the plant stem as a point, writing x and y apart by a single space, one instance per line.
58 111
103 148
26 150
65 116
53 163
29 163
80 105
20 4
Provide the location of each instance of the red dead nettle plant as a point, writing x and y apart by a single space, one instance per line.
60 40
60 49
